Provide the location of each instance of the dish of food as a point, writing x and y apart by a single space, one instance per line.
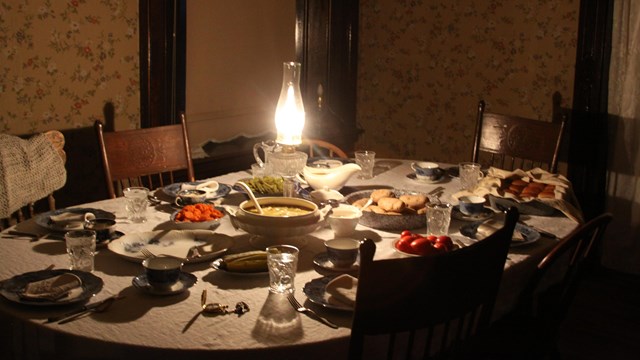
391 209
198 216
176 243
263 186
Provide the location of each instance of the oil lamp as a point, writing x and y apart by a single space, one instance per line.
290 120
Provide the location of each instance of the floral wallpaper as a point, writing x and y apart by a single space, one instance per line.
62 61
424 65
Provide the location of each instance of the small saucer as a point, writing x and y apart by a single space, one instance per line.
484 215
413 177
186 281
323 266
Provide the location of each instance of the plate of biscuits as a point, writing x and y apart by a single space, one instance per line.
528 196
390 209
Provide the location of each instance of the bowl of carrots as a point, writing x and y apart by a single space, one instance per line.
198 216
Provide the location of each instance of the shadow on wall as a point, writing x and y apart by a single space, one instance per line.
85 175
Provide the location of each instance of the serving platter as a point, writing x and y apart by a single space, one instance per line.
388 222
13 287
173 243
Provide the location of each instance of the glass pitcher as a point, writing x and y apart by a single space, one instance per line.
268 147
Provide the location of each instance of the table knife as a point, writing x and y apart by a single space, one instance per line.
78 310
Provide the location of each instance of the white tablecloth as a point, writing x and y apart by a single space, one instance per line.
145 326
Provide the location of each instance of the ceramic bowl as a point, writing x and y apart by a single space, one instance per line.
388 222
278 227
195 225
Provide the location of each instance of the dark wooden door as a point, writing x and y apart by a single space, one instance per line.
327 48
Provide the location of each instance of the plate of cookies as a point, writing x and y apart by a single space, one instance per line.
390 209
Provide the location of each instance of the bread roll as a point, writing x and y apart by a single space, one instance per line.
376 195
547 195
391 204
414 202
519 182
360 202
376 209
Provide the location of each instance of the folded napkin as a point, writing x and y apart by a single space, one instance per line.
71 220
53 288
342 290
564 201
210 186
490 226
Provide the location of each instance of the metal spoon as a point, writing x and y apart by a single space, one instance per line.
253 197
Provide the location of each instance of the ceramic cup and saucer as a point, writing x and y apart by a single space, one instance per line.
163 276
426 172
341 257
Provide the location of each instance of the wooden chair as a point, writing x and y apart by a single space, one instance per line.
144 157
424 307
530 331
511 142
32 208
321 148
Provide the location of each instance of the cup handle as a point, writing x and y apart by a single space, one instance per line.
178 201
413 166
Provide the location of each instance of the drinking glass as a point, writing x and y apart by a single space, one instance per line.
366 160
136 203
282 261
470 174
81 247
438 218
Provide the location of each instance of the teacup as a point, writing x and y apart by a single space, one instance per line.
471 205
190 197
427 171
344 219
104 228
162 272
342 252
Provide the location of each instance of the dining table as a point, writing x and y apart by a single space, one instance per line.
144 325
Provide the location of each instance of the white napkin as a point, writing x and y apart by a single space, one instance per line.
342 290
52 288
210 186
71 220
490 226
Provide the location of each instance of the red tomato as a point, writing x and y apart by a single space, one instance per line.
446 241
404 244
405 233
432 238
421 246
441 247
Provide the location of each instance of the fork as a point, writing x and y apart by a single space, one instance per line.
301 309
194 254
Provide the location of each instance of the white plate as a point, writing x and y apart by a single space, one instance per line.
413 177
173 189
216 264
316 291
172 242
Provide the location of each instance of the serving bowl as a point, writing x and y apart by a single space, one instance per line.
388 222
278 226
194 225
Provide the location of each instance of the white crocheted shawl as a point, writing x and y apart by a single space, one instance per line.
30 170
